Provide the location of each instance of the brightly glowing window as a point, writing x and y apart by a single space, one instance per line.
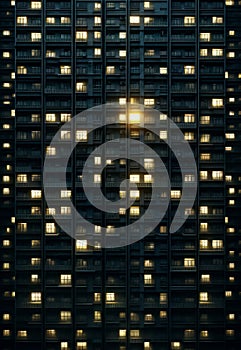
81 244
189 70
110 297
203 296
134 19
189 262
81 86
36 5
81 36
81 135
217 20
205 36
65 315
217 175
97 21
217 52
217 244
36 297
65 279
189 20
36 194
36 36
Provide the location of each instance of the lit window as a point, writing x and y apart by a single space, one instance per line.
205 278
205 36
65 279
81 36
217 20
97 6
6 243
163 70
176 345
110 70
217 52
36 297
230 332
175 194
64 345
147 5
203 296
189 70
97 297
205 119
122 53
163 134
6 54
65 135
189 136
134 333
163 297
34 278
147 345
203 226
50 227
189 20
231 317
134 178
81 86
205 138
231 54
203 52
149 101
50 117
217 175
65 117
81 345
97 21
148 178
22 20
228 294
50 151
97 35
6 317
229 2
231 266
65 315
148 20
149 164
81 135
65 69
81 244
122 332
36 194
189 262
163 314
50 333
6 178
135 211
97 178
6 145
230 136
134 19
65 20
97 316
50 53
205 156
50 20
97 52
231 279
6 332
110 297
204 334
36 36
122 100
6 266
35 261
65 193
36 5
148 279
65 210
122 35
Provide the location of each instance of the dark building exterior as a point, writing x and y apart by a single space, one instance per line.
167 291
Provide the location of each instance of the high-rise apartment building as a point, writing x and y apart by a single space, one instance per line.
167 291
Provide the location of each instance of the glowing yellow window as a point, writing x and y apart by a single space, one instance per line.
97 316
122 332
6 317
205 278
50 151
135 211
231 317
203 52
22 20
65 69
205 138
65 279
189 262
97 21
204 334
148 279
6 332
203 244
163 297
205 36
50 117
135 20
147 4
230 332
217 52
217 175
81 36
110 297
176 345
134 333
122 35
163 314
149 101
36 297
189 70
35 278
217 20
122 53
97 52
65 315
65 20
81 244
36 5
203 226
36 36
110 70
175 194
81 135
64 345
189 20
81 87
203 296
229 2
148 178
50 20
81 345
50 333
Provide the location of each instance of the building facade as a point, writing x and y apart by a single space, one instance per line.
167 291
